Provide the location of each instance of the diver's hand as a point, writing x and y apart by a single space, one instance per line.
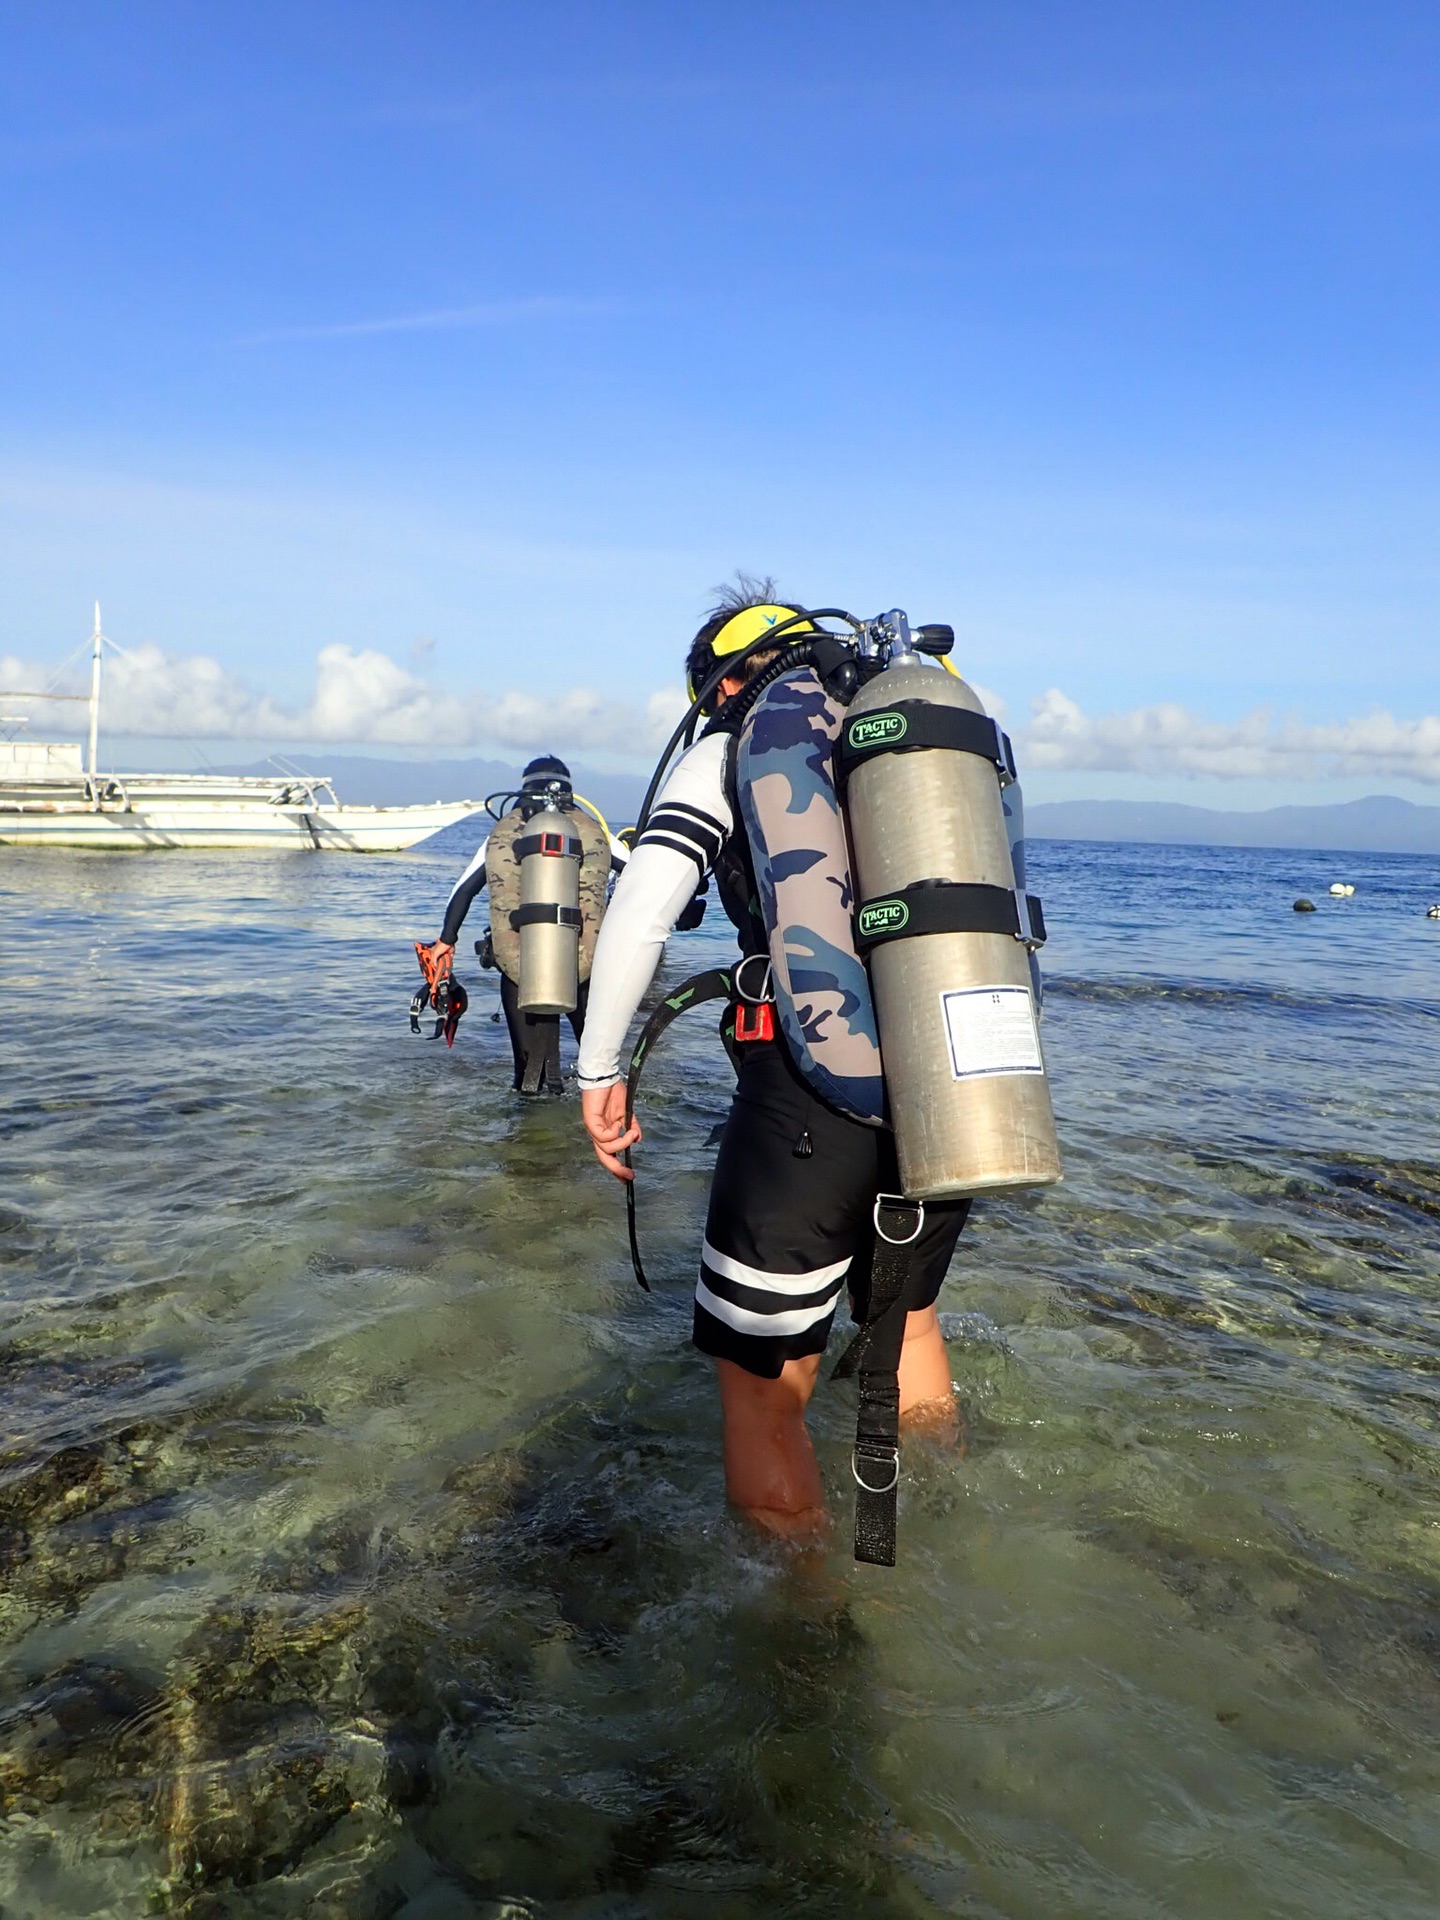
440 958
603 1111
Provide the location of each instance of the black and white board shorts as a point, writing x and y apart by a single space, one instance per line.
787 1230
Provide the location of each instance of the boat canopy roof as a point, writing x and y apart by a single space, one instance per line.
41 760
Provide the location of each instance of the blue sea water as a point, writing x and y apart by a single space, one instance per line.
361 1536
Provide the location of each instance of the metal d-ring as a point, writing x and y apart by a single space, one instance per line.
767 989
865 1485
900 1200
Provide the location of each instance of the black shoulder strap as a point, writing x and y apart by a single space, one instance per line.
730 779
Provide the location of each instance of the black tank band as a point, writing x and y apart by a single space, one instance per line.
535 843
912 725
949 906
547 912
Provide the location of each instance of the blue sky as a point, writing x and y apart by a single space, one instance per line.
467 345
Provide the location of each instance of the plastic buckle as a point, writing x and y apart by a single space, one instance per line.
917 1207
552 843
754 1012
1029 920
881 1456
754 1022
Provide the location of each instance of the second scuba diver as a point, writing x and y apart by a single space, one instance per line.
577 837
793 1209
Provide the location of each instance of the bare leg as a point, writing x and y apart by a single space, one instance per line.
926 1392
770 1469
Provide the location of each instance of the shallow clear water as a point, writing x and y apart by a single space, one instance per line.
360 1524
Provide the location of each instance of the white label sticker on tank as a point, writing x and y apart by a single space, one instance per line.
991 1030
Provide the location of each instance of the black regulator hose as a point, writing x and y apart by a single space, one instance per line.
825 652
685 732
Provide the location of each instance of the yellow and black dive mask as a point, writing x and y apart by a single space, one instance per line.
746 629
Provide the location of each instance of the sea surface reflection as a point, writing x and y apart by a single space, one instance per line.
360 1527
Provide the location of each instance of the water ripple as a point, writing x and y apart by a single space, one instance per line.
360 1528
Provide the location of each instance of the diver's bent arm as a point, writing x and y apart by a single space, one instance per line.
690 824
649 898
462 896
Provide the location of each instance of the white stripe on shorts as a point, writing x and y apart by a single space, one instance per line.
775 1325
756 1277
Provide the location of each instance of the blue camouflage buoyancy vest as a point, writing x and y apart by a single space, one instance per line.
785 884
799 866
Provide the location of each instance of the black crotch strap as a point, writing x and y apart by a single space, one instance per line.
874 1354
542 1054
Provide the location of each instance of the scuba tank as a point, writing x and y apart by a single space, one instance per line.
943 920
947 931
548 919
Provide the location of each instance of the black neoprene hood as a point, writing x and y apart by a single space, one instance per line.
544 768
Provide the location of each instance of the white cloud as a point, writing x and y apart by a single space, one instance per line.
360 696
490 313
1169 739
664 710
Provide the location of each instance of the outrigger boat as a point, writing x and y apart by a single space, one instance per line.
50 797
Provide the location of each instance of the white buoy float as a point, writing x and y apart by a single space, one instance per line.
1433 913
1342 889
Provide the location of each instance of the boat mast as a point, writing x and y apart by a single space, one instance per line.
96 638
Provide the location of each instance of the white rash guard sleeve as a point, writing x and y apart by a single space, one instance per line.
690 824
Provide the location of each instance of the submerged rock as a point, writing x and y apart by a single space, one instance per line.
473 1709
84 1732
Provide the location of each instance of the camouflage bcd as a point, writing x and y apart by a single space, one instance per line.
802 868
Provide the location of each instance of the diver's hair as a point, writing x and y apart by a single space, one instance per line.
728 599
746 590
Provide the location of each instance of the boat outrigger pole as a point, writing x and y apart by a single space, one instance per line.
97 640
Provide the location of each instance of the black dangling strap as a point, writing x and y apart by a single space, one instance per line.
715 984
874 1354
542 1056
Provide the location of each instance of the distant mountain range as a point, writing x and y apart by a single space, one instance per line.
407 783
1381 824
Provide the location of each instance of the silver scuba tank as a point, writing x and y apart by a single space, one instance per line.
949 936
548 918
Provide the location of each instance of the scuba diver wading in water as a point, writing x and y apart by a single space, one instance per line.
547 863
807 1202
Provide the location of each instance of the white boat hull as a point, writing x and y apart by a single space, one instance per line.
51 797
225 823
